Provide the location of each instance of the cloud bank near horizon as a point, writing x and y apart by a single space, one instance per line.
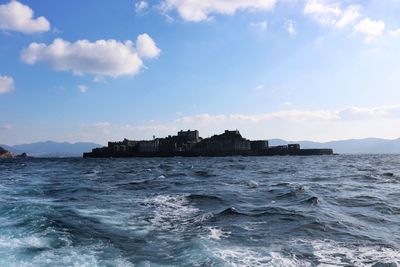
322 125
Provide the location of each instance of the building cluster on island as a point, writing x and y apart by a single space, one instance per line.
190 144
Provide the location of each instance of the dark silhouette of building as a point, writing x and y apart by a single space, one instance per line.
190 144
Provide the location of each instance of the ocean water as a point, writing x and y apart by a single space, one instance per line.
237 211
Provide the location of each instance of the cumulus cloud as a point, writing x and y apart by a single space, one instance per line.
348 16
259 88
372 29
83 88
141 6
99 79
146 46
15 16
6 84
333 14
99 58
196 11
290 27
260 26
395 33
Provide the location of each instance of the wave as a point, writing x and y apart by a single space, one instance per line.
247 256
260 212
205 198
204 173
273 212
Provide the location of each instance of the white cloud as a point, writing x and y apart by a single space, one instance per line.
6 127
146 46
290 115
83 88
290 27
372 29
360 113
287 104
196 11
348 113
99 79
141 6
6 84
349 16
99 58
103 127
322 11
348 122
395 33
328 13
259 88
260 26
15 16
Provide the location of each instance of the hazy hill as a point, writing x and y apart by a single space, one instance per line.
50 148
351 146
355 146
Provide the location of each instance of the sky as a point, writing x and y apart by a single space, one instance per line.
102 70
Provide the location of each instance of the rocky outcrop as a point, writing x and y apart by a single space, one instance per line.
4 153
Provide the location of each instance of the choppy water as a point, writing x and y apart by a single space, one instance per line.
236 211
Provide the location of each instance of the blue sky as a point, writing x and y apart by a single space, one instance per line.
104 70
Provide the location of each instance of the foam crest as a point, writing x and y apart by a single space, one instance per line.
239 256
88 256
23 242
336 254
217 234
171 212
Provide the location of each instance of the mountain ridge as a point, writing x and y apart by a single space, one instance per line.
369 145
51 148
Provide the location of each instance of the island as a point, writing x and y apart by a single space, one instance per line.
190 144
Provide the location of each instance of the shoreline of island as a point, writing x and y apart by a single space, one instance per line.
190 144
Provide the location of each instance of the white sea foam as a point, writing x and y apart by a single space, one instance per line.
325 253
252 184
123 220
217 234
170 212
94 175
241 256
87 256
330 253
23 242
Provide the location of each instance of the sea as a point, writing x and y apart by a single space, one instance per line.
340 210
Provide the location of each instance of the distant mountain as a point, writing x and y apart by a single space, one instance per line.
52 149
351 146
